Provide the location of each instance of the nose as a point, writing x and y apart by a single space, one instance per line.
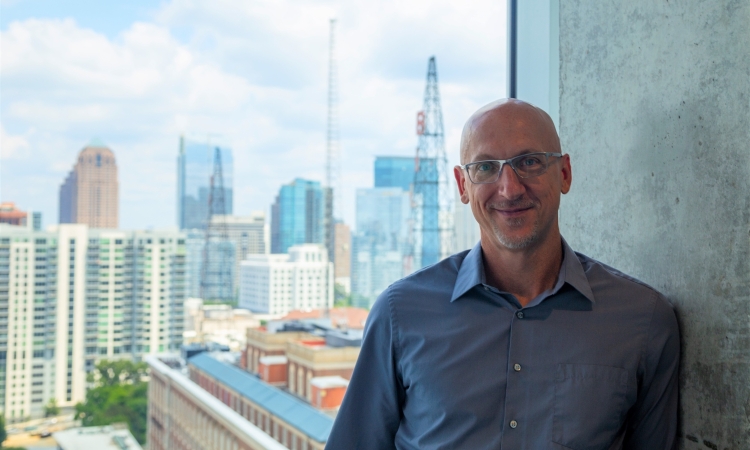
509 184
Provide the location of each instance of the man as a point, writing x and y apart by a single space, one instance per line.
520 343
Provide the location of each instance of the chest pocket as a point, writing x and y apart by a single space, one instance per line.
591 403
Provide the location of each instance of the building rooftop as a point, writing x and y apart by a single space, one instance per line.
214 407
110 437
96 142
273 359
347 317
287 407
329 382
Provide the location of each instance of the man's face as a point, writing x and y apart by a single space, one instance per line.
514 213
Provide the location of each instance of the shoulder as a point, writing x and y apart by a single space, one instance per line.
432 281
430 285
613 287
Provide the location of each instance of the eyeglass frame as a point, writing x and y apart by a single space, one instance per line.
510 162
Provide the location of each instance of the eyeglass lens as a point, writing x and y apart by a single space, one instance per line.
525 166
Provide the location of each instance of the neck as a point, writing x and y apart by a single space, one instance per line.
527 272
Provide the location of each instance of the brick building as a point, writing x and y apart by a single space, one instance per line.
261 342
328 392
288 357
182 416
287 419
310 359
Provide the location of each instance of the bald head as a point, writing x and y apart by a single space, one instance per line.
508 116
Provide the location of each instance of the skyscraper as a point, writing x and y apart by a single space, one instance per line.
394 171
74 295
248 236
301 215
194 169
380 242
342 259
89 194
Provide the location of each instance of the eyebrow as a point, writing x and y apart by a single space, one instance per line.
486 157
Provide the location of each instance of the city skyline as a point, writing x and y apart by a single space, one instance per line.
140 80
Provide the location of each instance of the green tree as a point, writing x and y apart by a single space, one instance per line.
340 297
51 408
120 394
3 434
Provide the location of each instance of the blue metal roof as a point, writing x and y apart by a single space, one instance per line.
285 406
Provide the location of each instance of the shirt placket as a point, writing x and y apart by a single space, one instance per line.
512 436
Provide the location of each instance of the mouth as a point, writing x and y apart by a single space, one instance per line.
514 211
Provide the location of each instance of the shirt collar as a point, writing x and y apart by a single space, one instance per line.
471 272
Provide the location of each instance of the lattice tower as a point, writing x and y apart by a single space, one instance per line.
218 260
333 143
432 200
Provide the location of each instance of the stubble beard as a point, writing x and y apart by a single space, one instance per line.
516 243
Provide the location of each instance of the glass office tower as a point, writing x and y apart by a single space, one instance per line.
399 172
380 242
300 215
195 166
394 171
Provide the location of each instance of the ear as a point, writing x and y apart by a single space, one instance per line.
566 173
461 183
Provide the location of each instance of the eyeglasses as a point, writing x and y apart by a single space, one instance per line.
525 166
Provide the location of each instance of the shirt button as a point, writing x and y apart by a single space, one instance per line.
519 314
517 367
486 288
513 424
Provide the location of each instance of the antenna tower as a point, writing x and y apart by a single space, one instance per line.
333 163
432 205
216 273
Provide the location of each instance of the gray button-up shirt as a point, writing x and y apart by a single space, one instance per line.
448 361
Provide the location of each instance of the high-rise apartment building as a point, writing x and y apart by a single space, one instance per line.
194 246
195 166
277 284
89 194
36 220
380 242
73 295
301 215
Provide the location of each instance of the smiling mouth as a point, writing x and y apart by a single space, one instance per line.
514 211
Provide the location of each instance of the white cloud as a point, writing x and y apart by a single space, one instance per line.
254 72
13 146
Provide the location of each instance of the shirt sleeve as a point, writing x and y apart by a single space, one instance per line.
371 411
653 423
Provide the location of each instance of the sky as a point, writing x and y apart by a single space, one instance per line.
139 74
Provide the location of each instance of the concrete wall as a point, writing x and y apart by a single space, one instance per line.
655 112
